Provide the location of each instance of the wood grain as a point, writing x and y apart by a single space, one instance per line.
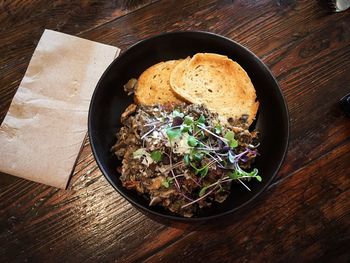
309 221
21 25
70 222
80 15
305 214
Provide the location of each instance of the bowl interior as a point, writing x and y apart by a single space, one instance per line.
110 100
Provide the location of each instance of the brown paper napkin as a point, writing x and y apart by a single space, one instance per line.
43 131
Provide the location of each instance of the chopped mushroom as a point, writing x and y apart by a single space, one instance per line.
181 157
130 86
129 110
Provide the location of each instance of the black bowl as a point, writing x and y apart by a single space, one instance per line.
109 101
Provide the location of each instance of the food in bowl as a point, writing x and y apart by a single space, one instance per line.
187 139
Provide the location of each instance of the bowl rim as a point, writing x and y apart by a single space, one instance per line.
175 217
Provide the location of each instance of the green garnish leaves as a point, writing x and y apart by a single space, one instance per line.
230 136
202 135
189 125
201 119
204 171
218 129
167 182
173 133
185 128
202 191
253 173
177 113
233 143
239 173
194 167
197 156
200 171
192 141
156 156
234 175
188 120
187 159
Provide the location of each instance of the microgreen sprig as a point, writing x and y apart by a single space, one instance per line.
206 146
215 135
156 156
173 133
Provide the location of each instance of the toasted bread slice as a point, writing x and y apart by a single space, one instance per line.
153 85
217 82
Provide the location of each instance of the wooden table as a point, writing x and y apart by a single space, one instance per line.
304 215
